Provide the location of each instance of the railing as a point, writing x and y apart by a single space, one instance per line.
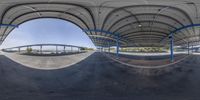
29 49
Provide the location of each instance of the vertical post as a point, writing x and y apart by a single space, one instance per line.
41 49
109 47
64 49
71 48
188 48
56 49
31 49
171 48
27 49
19 50
192 48
117 48
80 49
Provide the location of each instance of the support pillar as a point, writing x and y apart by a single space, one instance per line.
192 49
109 47
19 50
64 49
56 49
171 48
188 48
41 49
80 49
27 49
117 48
71 48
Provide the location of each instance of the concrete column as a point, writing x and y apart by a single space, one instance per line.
117 46
56 49
188 48
109 49
41 49
64 49
19 49
71 48
171 48
27 49
78 49
192 49
108 46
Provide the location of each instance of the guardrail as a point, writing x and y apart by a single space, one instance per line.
41 51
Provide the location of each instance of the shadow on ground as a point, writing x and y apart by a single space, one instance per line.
97 78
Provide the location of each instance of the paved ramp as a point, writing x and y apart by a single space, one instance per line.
97 78
48 62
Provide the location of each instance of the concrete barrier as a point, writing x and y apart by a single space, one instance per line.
152 70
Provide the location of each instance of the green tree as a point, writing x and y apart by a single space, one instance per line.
29 50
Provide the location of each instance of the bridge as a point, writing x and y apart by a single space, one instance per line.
72 48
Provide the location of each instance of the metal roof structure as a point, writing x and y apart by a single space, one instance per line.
135 22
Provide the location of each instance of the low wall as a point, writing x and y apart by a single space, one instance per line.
153 70
52 54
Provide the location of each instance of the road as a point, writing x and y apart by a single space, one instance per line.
97 78
48 62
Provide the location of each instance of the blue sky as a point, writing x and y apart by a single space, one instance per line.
47 31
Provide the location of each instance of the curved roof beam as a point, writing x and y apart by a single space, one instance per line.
182 28
162 6
145 37
106 37
39 17
151 14
163 34
25 4
146 21
147 28
35 3
186 37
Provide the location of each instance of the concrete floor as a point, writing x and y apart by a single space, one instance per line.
48 62
150 61
97 78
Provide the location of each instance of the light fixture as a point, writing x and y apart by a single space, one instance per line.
139 25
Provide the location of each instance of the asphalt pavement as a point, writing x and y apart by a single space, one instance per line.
97 78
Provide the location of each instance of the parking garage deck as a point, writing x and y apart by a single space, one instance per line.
97 78
149 61
48 62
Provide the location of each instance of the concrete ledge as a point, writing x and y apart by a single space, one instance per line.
52 54
152 70
48 63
